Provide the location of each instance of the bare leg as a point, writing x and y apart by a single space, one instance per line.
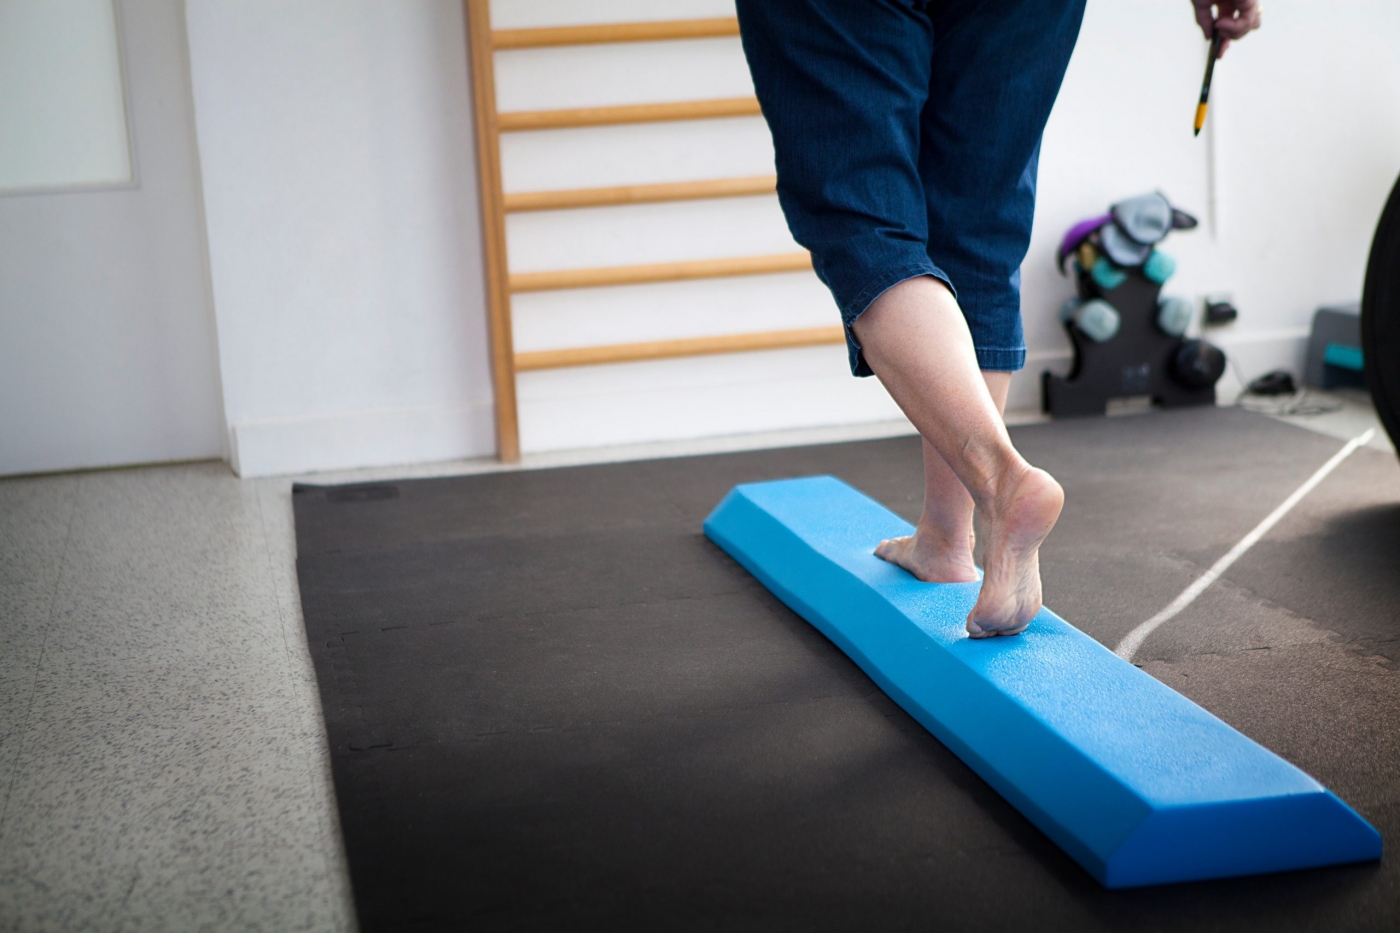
940 549
916 340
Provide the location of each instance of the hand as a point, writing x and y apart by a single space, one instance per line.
1233 18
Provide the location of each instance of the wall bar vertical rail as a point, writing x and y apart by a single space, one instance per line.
493 227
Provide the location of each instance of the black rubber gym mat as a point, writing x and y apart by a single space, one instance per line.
552 704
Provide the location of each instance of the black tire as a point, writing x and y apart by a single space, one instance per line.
1380 318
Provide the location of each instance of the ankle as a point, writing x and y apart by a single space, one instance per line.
999 487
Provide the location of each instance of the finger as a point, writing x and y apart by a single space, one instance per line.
1240 20
1233 28
1205 21
1247 10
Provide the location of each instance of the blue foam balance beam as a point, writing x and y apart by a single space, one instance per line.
1135 782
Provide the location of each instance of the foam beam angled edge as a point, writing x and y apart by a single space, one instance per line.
1135 782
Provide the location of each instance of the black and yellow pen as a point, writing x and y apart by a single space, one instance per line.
1205 85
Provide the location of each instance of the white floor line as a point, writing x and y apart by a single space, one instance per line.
1134 639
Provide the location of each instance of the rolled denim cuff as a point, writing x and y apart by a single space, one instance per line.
877 286
1001 359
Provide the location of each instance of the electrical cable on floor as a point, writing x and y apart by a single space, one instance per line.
1304 402
1301 402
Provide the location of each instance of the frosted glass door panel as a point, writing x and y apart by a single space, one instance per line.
62 116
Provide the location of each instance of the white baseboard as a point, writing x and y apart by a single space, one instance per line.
376 437
631 405
1253 354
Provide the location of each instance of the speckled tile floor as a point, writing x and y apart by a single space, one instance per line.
162 756
161 745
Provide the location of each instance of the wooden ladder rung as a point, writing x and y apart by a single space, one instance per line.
667 349
628 113
641 194
659 272
614 32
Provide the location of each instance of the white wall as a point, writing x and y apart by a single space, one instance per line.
336 146
339 179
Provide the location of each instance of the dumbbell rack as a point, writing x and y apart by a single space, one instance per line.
1136 362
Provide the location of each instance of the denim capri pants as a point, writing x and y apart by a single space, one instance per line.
906 135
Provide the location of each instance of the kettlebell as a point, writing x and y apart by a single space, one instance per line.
1198 364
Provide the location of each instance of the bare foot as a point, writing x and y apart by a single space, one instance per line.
1016 521
930 559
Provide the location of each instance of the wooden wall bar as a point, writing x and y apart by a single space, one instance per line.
518 120
640 194
659 272
688 346
501 284
614 32
493 228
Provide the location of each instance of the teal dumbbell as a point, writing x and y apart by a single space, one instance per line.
1174 315
1107 275
1159 266
1097 319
